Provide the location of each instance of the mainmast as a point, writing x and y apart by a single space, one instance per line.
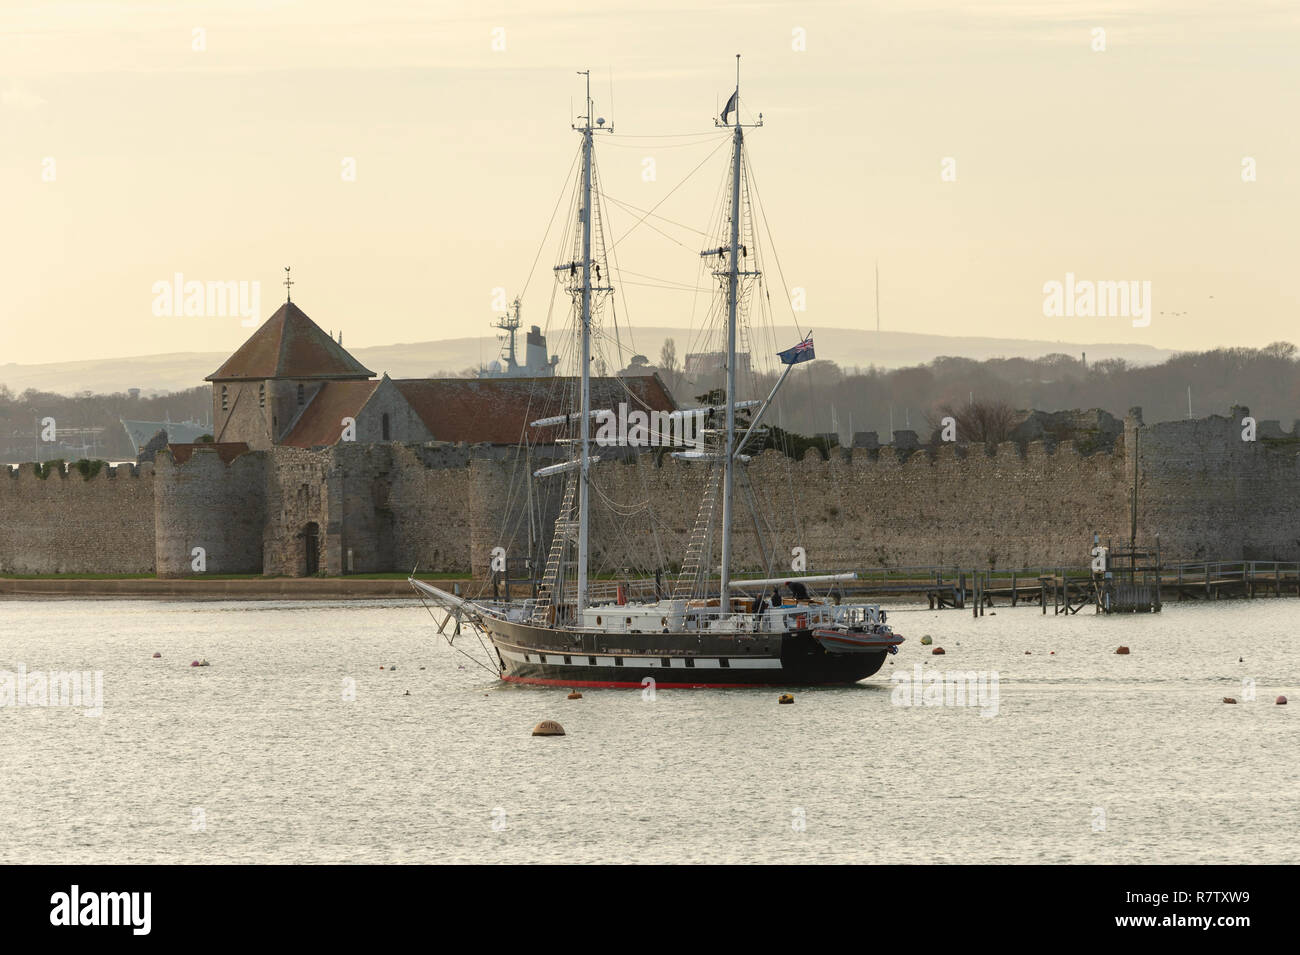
585 213
733 275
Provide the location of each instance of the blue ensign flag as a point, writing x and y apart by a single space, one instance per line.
801 352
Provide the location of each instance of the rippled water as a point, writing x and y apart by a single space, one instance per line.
1092 757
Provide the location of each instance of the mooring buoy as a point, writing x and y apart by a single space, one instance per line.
1281 701
1122 651
938 651
785 698
926 641
548 728
574 695
1228 699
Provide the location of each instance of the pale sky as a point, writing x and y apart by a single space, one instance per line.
226 163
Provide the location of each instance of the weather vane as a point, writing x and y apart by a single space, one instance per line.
288 285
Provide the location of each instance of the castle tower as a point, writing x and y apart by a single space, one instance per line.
262 388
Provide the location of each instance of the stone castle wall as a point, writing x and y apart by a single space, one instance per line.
66 524
1211 495
209 504
443 508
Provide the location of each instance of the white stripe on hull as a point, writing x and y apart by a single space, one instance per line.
674 663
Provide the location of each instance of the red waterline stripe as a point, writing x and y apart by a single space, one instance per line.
610 685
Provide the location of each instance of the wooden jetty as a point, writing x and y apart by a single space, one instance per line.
1142 587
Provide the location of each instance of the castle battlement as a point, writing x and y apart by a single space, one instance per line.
443 506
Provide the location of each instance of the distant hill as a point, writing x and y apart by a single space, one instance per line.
847 347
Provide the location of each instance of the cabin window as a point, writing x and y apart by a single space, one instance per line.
261 395
568 659
302 393
629 621
225 399
384 425
666 661
724 662
618 661
690 663
598 621
591 661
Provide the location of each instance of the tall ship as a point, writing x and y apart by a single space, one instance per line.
683 626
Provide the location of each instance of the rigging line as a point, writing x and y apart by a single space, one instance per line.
762 211
623 204
704 135
656 146
654 531
658 279
606 253
721 143
669 237
568 183
468 656
668 288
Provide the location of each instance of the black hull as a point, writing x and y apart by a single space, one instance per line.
548 657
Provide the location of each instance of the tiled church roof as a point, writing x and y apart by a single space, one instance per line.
290 345
321 422
498 410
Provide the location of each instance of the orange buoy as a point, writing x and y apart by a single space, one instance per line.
937 651
785 698
1281 701
575 695
1228 699
548 728
1122 651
